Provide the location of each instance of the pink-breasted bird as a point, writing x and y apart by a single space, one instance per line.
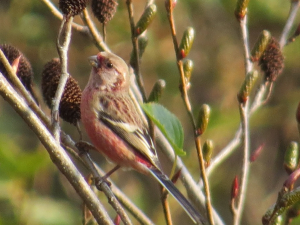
115 125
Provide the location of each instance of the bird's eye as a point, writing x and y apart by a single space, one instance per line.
109 65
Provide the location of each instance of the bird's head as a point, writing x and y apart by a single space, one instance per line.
109 72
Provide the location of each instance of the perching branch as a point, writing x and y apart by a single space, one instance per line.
56 153
103 186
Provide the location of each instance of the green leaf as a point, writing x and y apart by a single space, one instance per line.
168 124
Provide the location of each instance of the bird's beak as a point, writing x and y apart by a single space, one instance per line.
93 61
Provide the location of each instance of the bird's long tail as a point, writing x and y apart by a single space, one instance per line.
185 204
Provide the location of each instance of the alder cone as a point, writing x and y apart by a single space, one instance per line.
69 107
24 71
272 60
104 10
72 7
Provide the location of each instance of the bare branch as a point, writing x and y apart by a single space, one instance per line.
289 23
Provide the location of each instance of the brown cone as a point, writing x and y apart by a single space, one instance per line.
24 72
272 60
104 10
72 7
69 108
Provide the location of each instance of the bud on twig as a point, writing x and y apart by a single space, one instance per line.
157 91
289 183
23 68
247 86
235 188
271 61
168 6
104 10
143 42
72 7
145 20
207 150
176 176
69 107
296 34
203 118
186 42
241 9
260 45
291 157
188 67
117 220
256 153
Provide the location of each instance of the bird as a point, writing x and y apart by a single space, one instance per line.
116 127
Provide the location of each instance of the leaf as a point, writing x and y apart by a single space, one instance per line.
168 124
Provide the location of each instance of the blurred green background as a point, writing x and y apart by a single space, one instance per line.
32 191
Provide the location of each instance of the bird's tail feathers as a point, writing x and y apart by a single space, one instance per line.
185 204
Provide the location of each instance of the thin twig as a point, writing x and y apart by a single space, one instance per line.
225 152
258 99
89 30
104 31
127 203
59 15
166 206
136 66
236 141
246 164
97 38
188 106
18 84
289 23
98 172
194 192
56 153
245 37
103 186
63 42
244 114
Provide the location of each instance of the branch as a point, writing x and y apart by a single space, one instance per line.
60 16
194 192
97 38
62 48
245 130
289 23
185 97
136 66
102 184
246 164
56 153
70 145
258 98
88 30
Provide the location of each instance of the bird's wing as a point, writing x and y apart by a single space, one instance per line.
137 137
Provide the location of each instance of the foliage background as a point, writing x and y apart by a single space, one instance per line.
31 189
